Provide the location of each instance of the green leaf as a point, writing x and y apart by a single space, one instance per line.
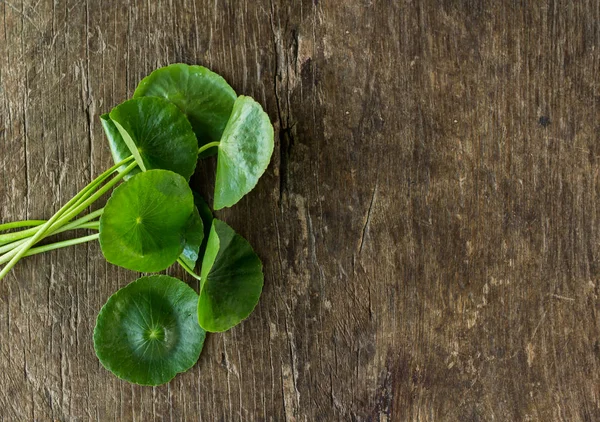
157 134
205 97
148 332
118 147
193 237
244 152
143 224
232 279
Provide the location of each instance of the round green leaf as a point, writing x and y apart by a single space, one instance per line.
118 147
158 135
148 332
205 97
244 152
143 224
232 279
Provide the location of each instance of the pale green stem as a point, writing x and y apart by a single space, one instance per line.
77 223
207 146
11 246
19 224
22 250
63 244
52 246
108 186
74 203
188 269
21 234
94 225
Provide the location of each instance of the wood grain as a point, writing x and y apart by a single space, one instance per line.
429 224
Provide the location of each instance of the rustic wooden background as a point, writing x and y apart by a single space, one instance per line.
429 224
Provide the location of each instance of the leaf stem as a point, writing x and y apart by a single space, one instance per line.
63 244
188 269
21 234
66 212
82 223
83 195
6 257
108 186
93 225
11 249
207 146
19 224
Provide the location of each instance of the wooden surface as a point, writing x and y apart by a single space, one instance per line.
429 224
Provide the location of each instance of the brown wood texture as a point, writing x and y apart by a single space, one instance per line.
429 224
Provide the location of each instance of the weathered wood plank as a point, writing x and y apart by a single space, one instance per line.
429 224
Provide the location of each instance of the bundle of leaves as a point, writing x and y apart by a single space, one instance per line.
154 328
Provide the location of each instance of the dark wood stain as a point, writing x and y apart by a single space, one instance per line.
429 225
